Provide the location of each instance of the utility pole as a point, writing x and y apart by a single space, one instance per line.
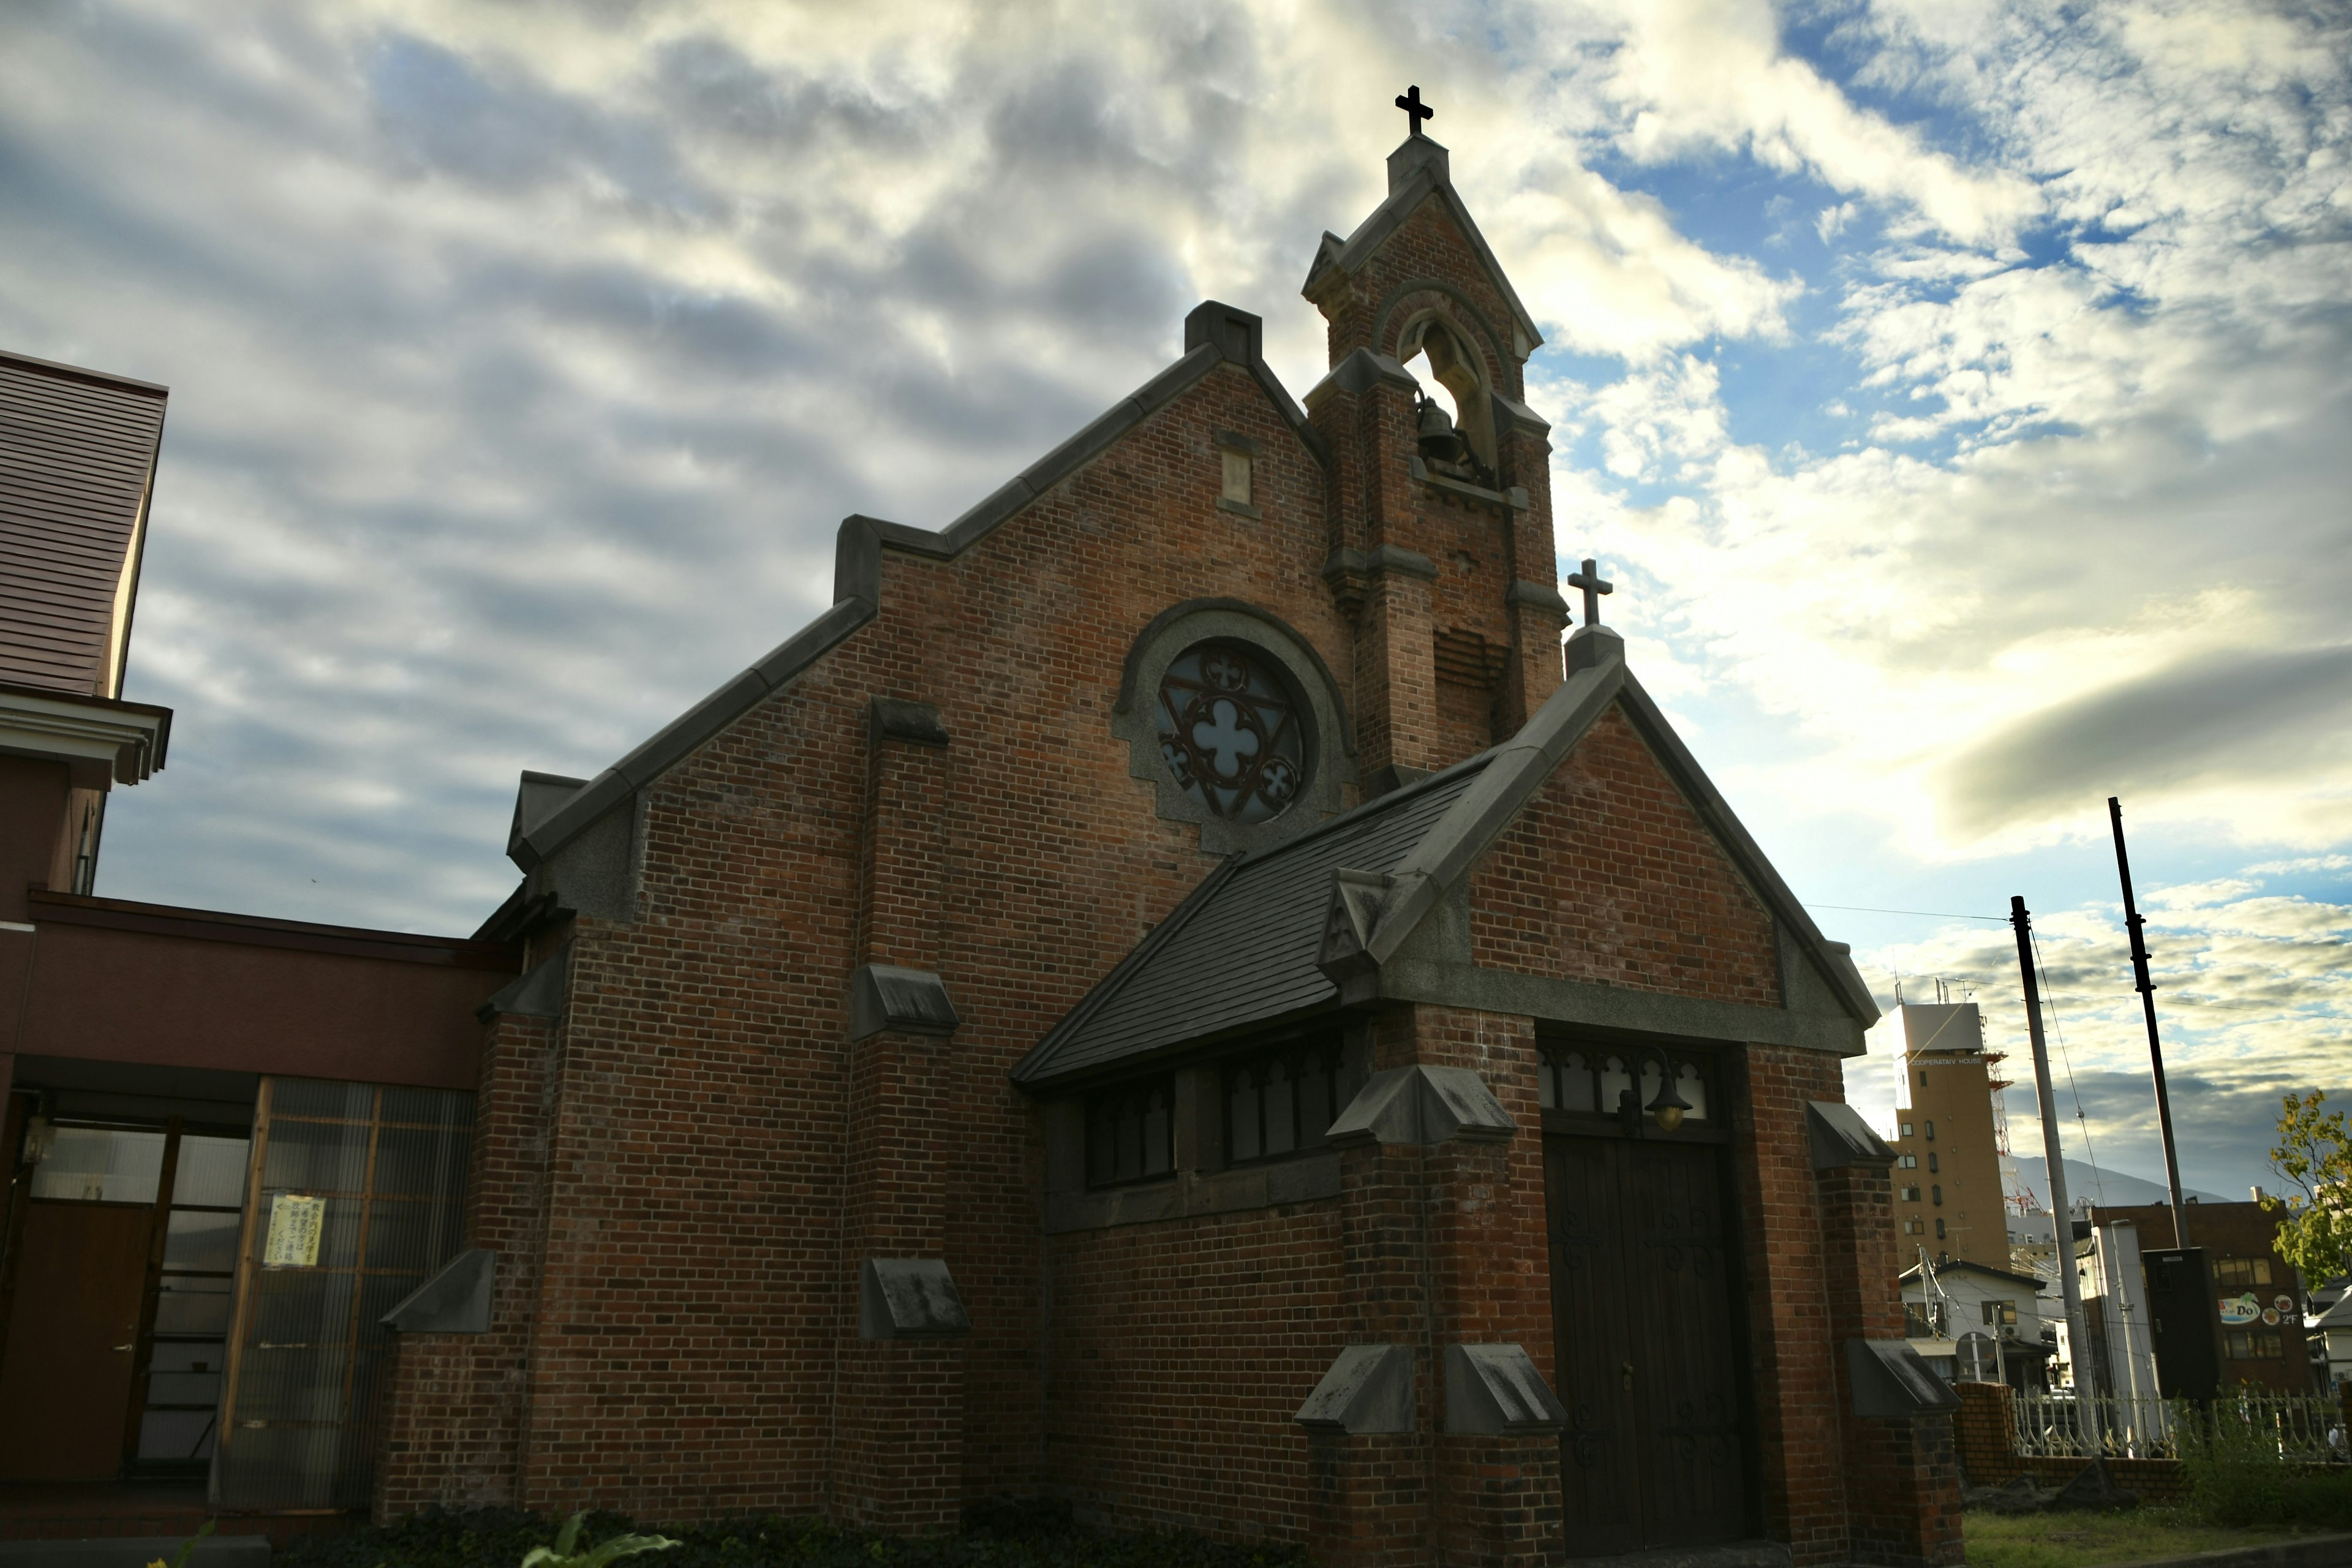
2133 920
2061 1220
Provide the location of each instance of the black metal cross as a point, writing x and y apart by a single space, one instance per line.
1410 101
1589 580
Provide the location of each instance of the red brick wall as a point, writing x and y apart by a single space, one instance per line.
1795 1379
455 1420
1178 1353
1609 876
694 1282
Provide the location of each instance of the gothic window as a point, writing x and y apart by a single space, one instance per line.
1232 731
1931 1160
1938 1191
1282 1102
1939 1230
1594 1082
1131 1134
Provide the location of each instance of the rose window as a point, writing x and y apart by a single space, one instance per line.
1230 732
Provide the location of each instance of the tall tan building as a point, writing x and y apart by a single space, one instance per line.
1947 1196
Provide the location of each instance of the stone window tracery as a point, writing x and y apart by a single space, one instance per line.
1282 1102
1230 732
1593 1081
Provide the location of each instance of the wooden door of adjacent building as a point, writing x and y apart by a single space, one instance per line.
73 1330
1644 1324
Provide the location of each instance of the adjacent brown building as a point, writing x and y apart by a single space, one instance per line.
2261 1297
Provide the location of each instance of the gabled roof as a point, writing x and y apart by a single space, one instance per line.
1420 171
2032 1281
1241 951
1247 948
77 453
1215 334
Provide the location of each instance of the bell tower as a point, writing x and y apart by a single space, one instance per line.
1441 519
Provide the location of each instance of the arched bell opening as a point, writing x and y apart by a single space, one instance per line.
1454 384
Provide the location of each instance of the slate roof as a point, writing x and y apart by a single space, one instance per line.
1241 951
77 459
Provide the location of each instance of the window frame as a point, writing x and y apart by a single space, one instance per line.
1594 1052
1101 1110
1343 1075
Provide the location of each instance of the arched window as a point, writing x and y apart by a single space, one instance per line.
1449 370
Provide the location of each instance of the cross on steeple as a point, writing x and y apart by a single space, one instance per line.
1410 101
1589 580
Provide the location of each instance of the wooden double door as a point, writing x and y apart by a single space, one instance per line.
1646 1323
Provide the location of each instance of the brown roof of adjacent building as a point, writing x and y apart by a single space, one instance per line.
76 464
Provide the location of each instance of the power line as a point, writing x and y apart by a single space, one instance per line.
1929 914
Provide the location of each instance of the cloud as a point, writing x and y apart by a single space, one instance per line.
2287 711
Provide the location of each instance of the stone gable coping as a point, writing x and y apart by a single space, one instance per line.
1418 171
1215 334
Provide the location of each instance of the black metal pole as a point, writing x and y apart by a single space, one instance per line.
2133 921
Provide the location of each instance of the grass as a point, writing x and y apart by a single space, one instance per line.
2090 1540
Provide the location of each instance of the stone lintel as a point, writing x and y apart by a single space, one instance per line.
454 1301
1890 1379
909 1298
912 1001
1421 1105
1496 1389
1368 1389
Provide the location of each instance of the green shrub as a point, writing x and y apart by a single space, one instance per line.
2237 1478
1001 1533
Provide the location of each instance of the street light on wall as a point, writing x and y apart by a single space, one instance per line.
1667 1106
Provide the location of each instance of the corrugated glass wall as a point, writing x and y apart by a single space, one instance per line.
358 1197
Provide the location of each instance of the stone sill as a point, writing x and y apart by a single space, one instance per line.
1516 498
1303 1179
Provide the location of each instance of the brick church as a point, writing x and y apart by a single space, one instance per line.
1185 992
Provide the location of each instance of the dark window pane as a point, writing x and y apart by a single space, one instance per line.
1314 1110
1693 1085
200 1241
316 1097
1281 1128
99 1164
300 1307
192 1306
188 1355
1242 1115
211 1172
433 1108
1157 1145
183 1389
1099 1143
316 1157
1614 1082
176 1435
420 1162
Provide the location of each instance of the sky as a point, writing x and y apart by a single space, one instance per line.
1959 392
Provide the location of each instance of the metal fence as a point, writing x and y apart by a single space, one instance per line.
2301 1428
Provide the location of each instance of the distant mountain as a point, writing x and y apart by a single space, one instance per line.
2111 1188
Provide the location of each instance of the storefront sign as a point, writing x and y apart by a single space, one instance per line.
2236 1310
295 1224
